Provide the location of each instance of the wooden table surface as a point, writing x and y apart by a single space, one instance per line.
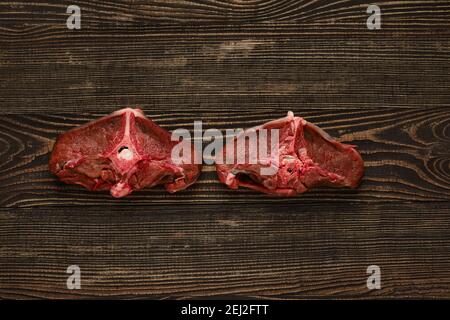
232 64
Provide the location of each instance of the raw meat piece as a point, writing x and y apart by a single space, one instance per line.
307 157
122 152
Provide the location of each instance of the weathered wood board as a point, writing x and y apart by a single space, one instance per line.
232 64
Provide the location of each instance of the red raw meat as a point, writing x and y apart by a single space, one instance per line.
122 152
307 157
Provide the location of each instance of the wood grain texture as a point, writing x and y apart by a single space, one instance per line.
132 12
232 64
251 67
406 154
235 251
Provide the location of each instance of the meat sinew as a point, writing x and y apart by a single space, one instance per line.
305 157
122 152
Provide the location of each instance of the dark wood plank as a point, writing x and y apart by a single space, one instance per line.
242 251
231 64
132 12
265 66
406 153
